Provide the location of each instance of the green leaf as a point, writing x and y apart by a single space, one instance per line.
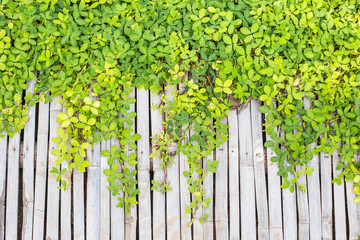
65 123
132 156
85 145
82 118
87 101
56 140
309 54
132 162
131 115
356 200
91 121
228 66
245 31
135 137
105 153
357 178
264 109
227 39
227 83
254 27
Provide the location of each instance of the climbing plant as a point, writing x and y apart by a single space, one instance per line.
92 54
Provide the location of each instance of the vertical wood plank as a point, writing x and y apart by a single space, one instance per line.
28 170
52 209
41 171
274 192
358 214
65 211
289 214
104 194
117 217
247 184
303 208
326 196
93 193
3 153
65 208
197 226
303 202
208 227
184 199
78 205
143 164
313 190
173 196
185 218
184 192
221 191
12 187
259 170
234 192
131 218
339 203
289 210
351 211
158 204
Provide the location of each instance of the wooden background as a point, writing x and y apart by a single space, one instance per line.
246 199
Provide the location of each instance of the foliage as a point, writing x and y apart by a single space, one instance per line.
92 53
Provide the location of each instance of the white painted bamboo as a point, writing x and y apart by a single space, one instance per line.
41 171
351 212
104 194
131 218
339 203
28 169
274 192
314 190
302 197
143 164
3 154
184 192
259 171
234 193
247 183
65 208
52 208
302 208
358 213
78 205
196 226
12 187
289 210
184 199
158 204
326 196
117 217
65 211
173 196
93 193
221 191
208 227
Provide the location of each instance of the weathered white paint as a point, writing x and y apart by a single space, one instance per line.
41 171
259 171
28 169
247 181
53 194
143 127
234 192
